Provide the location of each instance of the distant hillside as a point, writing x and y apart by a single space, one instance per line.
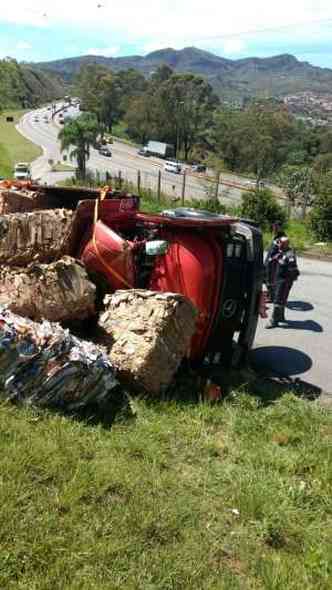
27 86
272 76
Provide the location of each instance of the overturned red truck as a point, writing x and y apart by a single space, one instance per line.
216 261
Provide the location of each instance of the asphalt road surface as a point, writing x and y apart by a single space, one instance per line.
124 158
302 349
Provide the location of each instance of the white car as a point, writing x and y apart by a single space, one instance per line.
253 184
172 167
22 171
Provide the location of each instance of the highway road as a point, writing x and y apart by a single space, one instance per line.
124 158
302 349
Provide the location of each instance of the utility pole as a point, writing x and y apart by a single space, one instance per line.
306 194
183 188
217 187
139 182
159 186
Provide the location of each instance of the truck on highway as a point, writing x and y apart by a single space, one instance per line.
159 149
22 171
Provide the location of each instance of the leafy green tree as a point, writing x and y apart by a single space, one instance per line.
184 109
140 118
262 206
100 93
320 218
254 140
299 187
77 136
106 94
162 74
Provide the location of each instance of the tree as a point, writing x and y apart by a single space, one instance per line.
262 206
105 93
162 73
320 219
100 93
184 107
140 118
254 140
299 188
78 135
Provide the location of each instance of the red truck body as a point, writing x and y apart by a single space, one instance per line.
213 260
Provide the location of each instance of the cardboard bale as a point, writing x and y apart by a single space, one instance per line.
60 291
147 334
35 235
23 200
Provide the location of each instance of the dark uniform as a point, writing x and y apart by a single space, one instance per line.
286 272
270 263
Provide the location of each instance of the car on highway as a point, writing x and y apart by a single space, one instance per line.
143 152
252 184
198 168
105 151
22 171
173 167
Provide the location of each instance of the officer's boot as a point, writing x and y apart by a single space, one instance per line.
282 314
276 317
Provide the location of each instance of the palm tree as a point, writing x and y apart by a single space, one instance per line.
79 134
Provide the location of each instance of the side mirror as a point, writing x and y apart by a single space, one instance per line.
156 247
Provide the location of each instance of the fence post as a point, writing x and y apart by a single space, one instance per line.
159 186
139 182
217 187
183 188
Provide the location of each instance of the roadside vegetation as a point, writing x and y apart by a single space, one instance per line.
13 146
24 86
176 495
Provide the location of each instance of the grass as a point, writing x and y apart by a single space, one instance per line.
13 146
61 167
302 239
181 496
119 131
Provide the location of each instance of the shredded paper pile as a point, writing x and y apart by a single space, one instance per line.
43 364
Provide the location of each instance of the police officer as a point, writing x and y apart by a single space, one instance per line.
286 272
270 260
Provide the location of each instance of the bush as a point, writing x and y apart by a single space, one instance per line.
320 219
263 207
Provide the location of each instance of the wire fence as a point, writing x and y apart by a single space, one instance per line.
182 188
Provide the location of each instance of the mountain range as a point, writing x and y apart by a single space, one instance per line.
276 76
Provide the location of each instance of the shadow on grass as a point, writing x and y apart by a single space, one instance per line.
269 389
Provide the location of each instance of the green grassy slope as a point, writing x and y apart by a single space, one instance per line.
13 146
180 496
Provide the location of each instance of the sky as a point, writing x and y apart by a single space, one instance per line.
36 30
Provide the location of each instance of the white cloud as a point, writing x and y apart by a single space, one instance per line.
189 21
105 51
232 46
23 45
